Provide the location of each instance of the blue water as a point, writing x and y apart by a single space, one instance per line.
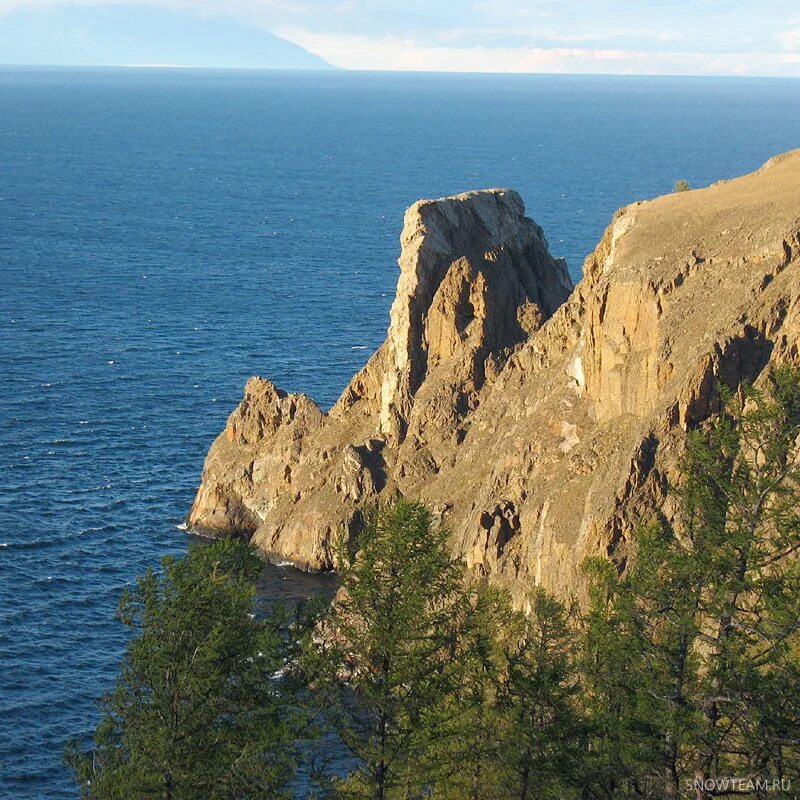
166 234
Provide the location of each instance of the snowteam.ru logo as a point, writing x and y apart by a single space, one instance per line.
740 785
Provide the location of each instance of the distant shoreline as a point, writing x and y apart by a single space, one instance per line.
333 69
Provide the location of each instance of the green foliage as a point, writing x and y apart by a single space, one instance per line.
392 636
439 689
463 759
682 186
707 618
542 732
510 725
683 669
196 711
623 729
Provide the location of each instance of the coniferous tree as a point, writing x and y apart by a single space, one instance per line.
196 711
543 735
707 617
742 503
624 683
463 759
384 658
439 689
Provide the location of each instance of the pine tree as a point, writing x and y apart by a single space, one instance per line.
706 621
639 669
463 760
196 711
742 527
385 656
543 733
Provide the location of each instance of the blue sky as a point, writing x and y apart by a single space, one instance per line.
700 37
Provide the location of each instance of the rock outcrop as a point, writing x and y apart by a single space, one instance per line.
539 423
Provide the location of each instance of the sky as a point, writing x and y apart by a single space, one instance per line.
673 37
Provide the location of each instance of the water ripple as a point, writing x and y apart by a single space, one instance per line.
139 292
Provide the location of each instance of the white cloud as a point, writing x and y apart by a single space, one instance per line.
399 53
520 35
790 40
513 9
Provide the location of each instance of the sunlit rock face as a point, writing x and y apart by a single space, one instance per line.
540 424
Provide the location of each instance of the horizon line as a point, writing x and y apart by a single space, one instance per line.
337 69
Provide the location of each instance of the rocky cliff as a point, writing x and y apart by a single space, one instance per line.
540 423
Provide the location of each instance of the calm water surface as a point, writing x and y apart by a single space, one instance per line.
166 234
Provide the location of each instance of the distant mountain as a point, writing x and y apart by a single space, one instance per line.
130 34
